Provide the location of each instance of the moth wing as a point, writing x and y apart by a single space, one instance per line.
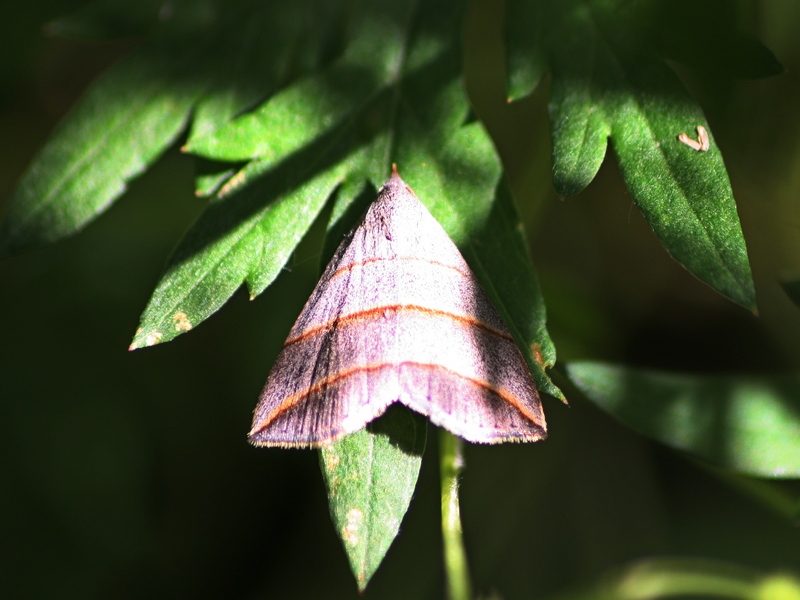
398 316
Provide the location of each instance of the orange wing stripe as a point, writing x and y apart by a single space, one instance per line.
369 261
396 308
295 399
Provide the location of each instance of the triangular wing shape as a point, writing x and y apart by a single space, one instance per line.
398 317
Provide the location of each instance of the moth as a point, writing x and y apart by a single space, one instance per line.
398 316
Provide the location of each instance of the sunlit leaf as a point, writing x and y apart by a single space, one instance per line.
395 96
371 476
609 82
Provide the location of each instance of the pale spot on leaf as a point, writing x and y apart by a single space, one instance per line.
182 322
355 519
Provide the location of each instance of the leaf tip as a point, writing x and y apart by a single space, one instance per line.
362 580
142 340
749 301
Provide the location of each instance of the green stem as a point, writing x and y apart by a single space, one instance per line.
455 557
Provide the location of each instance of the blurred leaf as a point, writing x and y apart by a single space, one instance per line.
703 34
748 424
609 82
780 586
208 183
197 59
371 476
89 160
693 578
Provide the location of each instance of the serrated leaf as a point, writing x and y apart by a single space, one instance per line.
254 233
120 127
371 476
292 119
405 104
609 83
256 51
196 59
745 423
524 24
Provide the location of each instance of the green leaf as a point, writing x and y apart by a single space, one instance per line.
255 52
609 82
260 215
371 476
121 126
500 257
395 96
744 423
253 241
196 60
685 195
525 25
212 176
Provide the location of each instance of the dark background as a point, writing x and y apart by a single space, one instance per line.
128 474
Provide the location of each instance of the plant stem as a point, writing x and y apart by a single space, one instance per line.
455 557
